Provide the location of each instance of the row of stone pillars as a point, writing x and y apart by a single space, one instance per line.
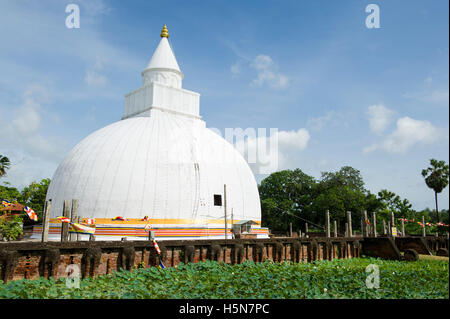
70 210
368 227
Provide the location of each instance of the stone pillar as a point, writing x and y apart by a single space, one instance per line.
327 223
65 226
384 227
392 219
362 225
306 229
374 224
74 218
403 228
349 222
335 229
366 226
389 229
46 221
346 230
424 232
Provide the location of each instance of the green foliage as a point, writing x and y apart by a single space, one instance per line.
390 202
339 278
10 193
34 195
347 176
430 216
284 194
436 176
11 229
5 164
291 196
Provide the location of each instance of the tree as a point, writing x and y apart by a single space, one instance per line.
11 229
293 196
402 208
10 193
286 194
34 195
270 214
342 199
436 178
343 191
4 165
346 176
390 202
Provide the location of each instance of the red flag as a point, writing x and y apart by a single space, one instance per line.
156 247
64 219
31 213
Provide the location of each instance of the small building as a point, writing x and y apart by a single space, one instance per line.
243 229
13 209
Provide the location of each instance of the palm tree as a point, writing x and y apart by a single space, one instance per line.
436 178
4 165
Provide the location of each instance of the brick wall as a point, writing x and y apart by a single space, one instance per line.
31 260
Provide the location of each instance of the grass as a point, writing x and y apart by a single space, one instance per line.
339 278
429 257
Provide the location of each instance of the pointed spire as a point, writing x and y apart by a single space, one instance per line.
164 32
163 57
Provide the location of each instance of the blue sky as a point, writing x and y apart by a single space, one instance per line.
374 99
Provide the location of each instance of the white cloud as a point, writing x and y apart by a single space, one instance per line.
45 18
379 118
279 150
267 74
262 62
94 79
370 148
27 119
296 140
94 7
408 133
235 69
435 96
23 131
290 144
32 153
331 118
438 96
28 135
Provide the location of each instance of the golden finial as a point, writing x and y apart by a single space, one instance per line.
164 32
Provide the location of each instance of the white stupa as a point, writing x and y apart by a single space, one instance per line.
159 161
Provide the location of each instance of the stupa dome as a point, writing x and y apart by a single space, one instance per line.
159 161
